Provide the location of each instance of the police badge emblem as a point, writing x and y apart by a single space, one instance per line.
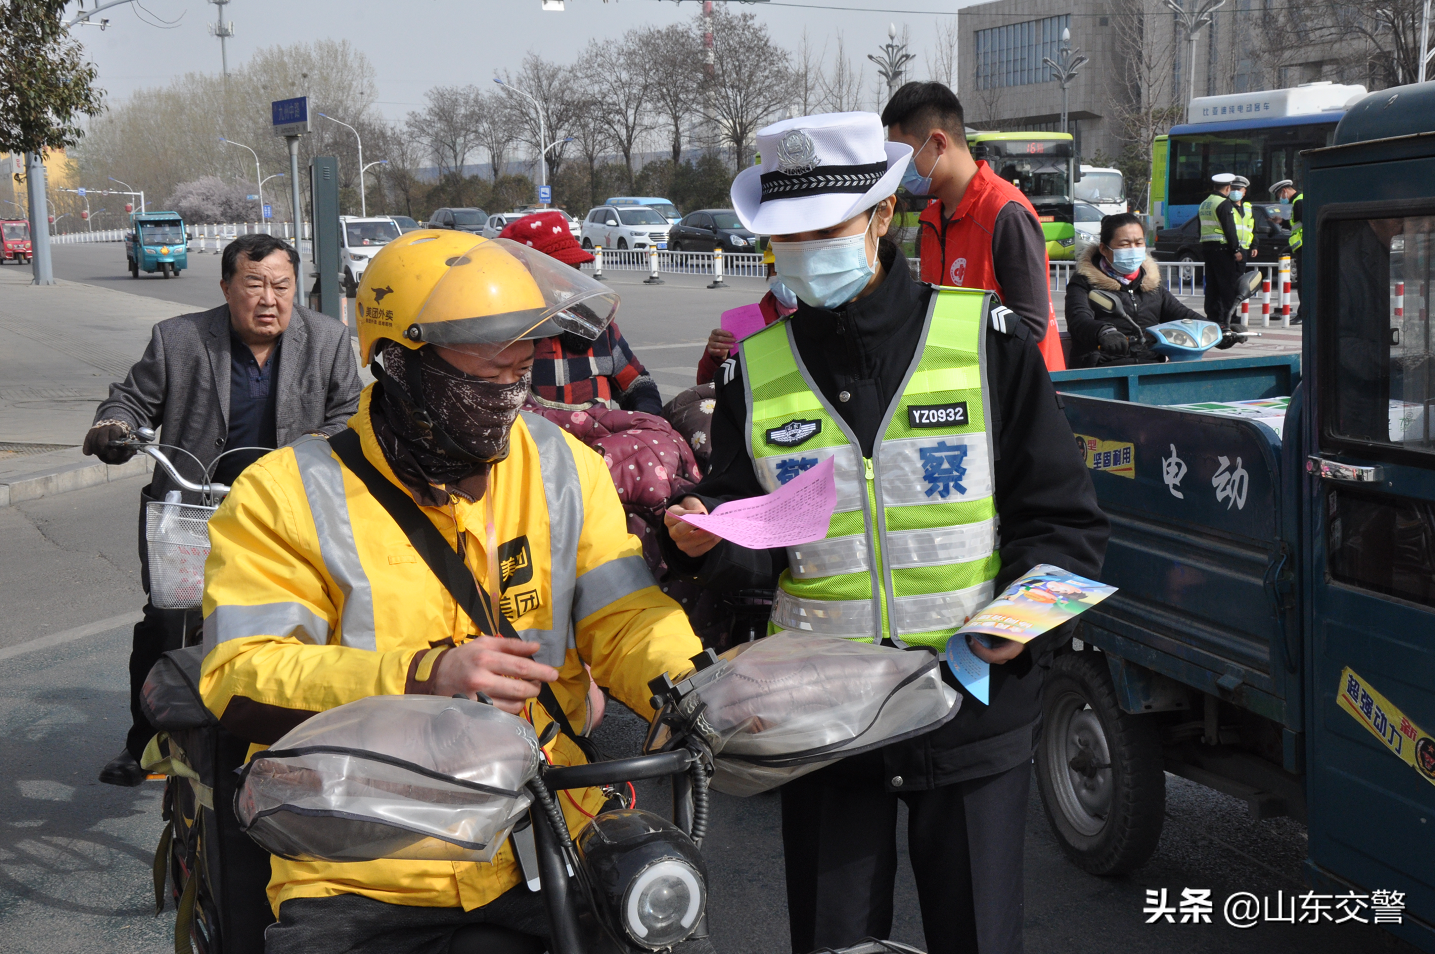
794 432
796 153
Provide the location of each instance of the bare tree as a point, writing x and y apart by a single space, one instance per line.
593 136
447 126
622 84
495 115
942 58
1143 99
548 83
842 87
674 54
807 78
749 82
1390 29
400 178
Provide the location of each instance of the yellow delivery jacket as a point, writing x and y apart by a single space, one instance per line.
314 598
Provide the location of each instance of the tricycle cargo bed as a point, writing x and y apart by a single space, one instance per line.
1203 537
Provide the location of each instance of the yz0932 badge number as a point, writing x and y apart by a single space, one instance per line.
938 415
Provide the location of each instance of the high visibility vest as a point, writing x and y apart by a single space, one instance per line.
911 550
1297 232
1246 225
1211 230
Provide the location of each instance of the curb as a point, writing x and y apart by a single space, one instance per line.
76 476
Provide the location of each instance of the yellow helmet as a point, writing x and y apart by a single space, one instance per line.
453 289
767 257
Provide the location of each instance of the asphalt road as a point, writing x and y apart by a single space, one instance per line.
75 855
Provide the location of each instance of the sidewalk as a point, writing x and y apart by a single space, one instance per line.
64 345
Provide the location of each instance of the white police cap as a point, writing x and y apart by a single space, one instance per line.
1223 178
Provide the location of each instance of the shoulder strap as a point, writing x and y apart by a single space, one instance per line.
445 563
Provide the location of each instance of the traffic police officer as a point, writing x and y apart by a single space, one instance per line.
912 551
1285 191
1221 249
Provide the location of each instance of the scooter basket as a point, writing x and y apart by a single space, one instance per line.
413 777
177 537
783 706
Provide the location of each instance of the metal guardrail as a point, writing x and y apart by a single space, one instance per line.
734 264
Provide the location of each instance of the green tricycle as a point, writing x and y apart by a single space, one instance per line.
156 243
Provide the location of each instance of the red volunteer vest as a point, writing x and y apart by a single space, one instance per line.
961 255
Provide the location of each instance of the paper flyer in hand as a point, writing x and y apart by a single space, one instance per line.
798 512
743 320
1038 602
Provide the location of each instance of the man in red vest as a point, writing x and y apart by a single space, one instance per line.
983 232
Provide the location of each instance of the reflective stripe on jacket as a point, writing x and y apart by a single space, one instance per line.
314 597
910 552
1211 230
1297 232
1245 225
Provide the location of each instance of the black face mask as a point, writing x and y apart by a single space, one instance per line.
458 426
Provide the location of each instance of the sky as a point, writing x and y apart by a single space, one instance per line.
416 44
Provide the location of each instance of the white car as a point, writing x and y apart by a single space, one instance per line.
499 221
624 227
360 240
1087 223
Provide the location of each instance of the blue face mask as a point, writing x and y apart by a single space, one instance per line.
784 295
1237 194
914 182
1127 260
825 273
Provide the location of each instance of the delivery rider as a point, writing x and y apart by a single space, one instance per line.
938 411
314 596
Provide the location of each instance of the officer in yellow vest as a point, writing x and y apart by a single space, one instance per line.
1221 248
1245 216
936 407
1285 191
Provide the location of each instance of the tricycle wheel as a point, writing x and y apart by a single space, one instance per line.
134 269
164 269
1099 769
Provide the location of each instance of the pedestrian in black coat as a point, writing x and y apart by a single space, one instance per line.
1102 334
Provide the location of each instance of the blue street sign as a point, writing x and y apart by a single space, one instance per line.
80 190
252 198
268 211
290 116
545 195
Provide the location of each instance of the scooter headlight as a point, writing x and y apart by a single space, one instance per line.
647 877
1210 334
1180 339
663 904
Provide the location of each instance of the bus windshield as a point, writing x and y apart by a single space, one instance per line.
1101 188
1037 178
1261 155
161 233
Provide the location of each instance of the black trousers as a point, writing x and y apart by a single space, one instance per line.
1223 276
965 840
154 635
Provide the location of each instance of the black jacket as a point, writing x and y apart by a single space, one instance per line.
1045 503
1147 301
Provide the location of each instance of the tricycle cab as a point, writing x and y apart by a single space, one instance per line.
157 242
14 241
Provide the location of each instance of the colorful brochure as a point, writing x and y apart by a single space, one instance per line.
1038 602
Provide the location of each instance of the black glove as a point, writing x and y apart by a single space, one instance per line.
1113 342
97 442
1229 340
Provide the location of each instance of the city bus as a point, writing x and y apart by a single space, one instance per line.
1257 135
1043 165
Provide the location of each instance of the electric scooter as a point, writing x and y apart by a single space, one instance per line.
1187 339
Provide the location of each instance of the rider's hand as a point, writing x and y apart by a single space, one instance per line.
1005 650
99 438
692 540
1229 340
500 668
720 343
1240 257
1113 341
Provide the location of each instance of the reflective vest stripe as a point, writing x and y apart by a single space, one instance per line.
231 621
1297 231
563 492
1246 225
1211 230
912 545
609 582
323 478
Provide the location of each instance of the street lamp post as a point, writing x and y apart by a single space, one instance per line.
1192 21
1064 69
892 64
132 191
542 131
277 175
363 200
364 169
258 176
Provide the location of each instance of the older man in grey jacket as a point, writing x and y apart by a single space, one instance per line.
226 385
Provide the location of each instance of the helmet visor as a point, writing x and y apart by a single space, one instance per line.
499 292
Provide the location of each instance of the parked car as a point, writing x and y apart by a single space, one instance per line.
405 223
1183 243
664 207
707 229
623 227
360 240
462 220
498 221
